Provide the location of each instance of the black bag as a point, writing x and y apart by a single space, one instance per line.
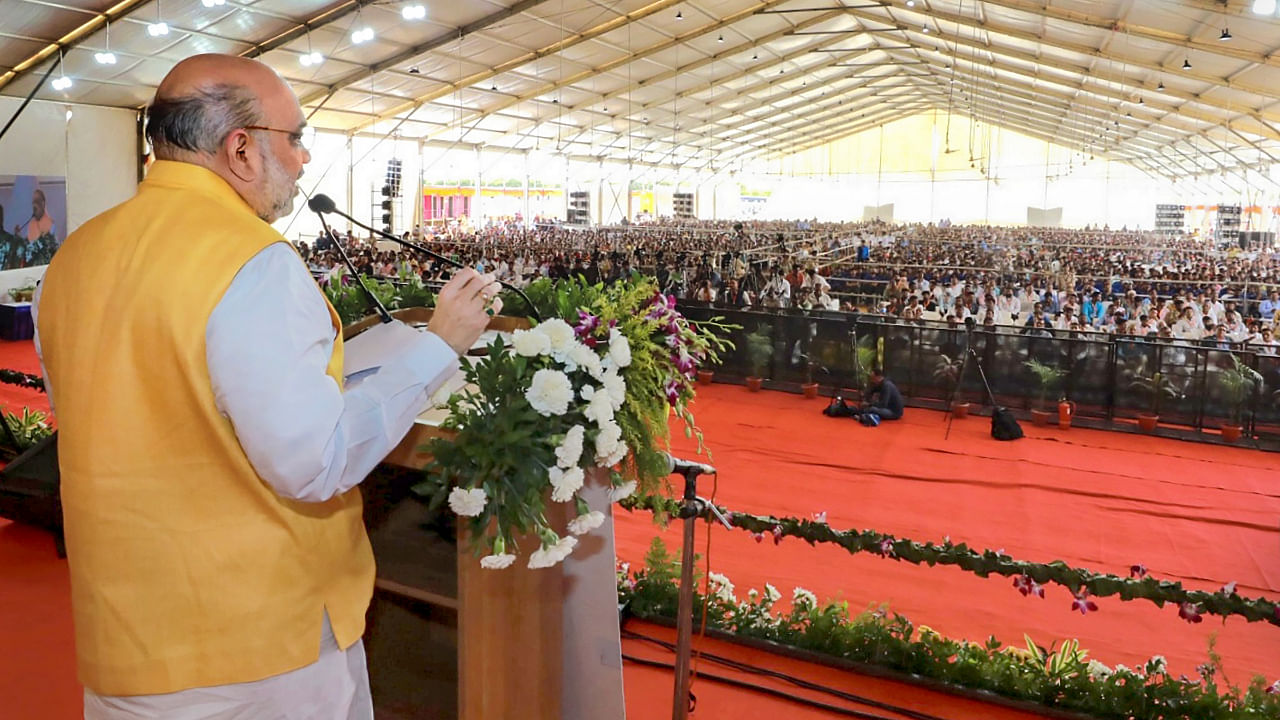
1004 426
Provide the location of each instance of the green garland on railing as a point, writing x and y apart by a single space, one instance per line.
1061 676
14 377
1028 576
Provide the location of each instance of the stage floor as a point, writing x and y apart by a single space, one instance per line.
1202 514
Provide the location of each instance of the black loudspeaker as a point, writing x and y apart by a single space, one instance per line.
1004 426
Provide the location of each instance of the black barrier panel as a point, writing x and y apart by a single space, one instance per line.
1103 375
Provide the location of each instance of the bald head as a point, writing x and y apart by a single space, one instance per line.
238 118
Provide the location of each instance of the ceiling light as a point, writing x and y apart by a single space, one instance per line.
413 12
911 3
1226 34
1264 7
157 29
721 38
105 58
414 70
311 59
755 56
679 15
1160 87
61 83
69 113
925 29
362 35
1186 64
213 3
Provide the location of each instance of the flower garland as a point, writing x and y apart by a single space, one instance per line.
1028 577
1061 677
591 387
21 379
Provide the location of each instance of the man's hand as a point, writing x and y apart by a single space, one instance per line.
464 307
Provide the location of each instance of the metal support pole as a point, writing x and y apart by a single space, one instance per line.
684 612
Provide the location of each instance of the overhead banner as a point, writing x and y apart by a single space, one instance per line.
1044 217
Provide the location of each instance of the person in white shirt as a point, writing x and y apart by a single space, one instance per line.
777 292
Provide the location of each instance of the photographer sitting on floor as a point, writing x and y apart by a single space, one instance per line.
884 400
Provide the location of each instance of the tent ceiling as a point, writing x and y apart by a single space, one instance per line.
706 83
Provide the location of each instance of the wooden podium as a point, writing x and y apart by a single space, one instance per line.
530 644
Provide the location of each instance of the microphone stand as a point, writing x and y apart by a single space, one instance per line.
443 258
691 510
377 304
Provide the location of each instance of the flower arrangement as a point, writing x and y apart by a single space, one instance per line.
1062 676
1028 577
592 386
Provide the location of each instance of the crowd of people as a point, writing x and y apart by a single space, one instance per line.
1033 280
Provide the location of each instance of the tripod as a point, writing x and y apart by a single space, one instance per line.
969 352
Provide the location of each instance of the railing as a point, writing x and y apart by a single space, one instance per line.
1099 371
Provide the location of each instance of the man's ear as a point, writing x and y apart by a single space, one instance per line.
241 155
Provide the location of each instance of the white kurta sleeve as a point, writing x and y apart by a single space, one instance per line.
269 341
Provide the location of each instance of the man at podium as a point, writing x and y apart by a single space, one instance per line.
209 454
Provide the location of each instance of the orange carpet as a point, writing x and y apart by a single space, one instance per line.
1201 514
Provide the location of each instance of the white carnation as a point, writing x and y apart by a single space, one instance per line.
550 392
586 392
497 561
619 453
619 349
565 547
617 388
564 483
559 334
600 409
608 439
543 557
584 524
581 356
570 450
622 492
530 344
1098 671
467 503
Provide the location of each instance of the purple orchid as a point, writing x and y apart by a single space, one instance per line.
1190 612
820 517
1138 571
587 324
886 547
777 534
1027 586
1229 589
684 363
673 391
1274 688
759 536
1083 603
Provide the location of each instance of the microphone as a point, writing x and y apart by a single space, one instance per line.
377 304
684 467
321 204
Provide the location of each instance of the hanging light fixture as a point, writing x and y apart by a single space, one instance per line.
106 57
62 82
1225 36
1160 87
363 35
1264 7
159 27
679 15
1186 64
413 12
310 58
721 38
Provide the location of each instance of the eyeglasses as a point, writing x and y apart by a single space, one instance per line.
303 138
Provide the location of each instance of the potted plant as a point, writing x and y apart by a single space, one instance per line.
759 352
1239 382
810 388
947 372
1155 386
24 293
867 352
705 376
1047 377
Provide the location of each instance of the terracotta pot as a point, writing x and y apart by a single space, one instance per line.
810 390
753 384
1231 433
1041 417
1148 422
704 377
959 409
